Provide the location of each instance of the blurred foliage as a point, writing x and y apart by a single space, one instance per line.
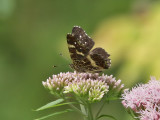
6 8
33 33
134 44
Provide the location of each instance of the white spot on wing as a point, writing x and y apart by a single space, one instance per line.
77 26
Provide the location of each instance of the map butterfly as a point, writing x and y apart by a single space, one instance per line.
84 59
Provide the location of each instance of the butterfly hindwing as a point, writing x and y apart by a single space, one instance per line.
100 57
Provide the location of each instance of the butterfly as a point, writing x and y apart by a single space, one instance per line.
84 59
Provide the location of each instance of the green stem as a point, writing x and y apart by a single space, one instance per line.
76 109
83 111
90 115
100 109
73 107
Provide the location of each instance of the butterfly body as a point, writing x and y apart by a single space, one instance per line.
85 60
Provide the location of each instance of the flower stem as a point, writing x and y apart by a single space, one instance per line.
90 115
74 108
83 111
100 109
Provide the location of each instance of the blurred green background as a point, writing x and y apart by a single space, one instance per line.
33 33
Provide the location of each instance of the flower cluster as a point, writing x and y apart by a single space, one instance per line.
93 90
112 82
144 100
57 82
88 86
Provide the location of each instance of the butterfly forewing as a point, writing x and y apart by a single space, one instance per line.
79 45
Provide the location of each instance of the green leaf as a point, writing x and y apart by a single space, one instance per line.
51 104
66 103
109 116
53 114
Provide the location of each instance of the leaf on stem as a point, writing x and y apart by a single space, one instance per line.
51 104
53 114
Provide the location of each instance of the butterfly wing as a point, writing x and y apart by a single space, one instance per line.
100 58
79 45
96 61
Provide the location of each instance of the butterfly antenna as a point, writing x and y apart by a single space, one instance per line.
64 57
58 66
64 65
69 65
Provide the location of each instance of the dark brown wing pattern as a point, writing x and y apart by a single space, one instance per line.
79 45
100 57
